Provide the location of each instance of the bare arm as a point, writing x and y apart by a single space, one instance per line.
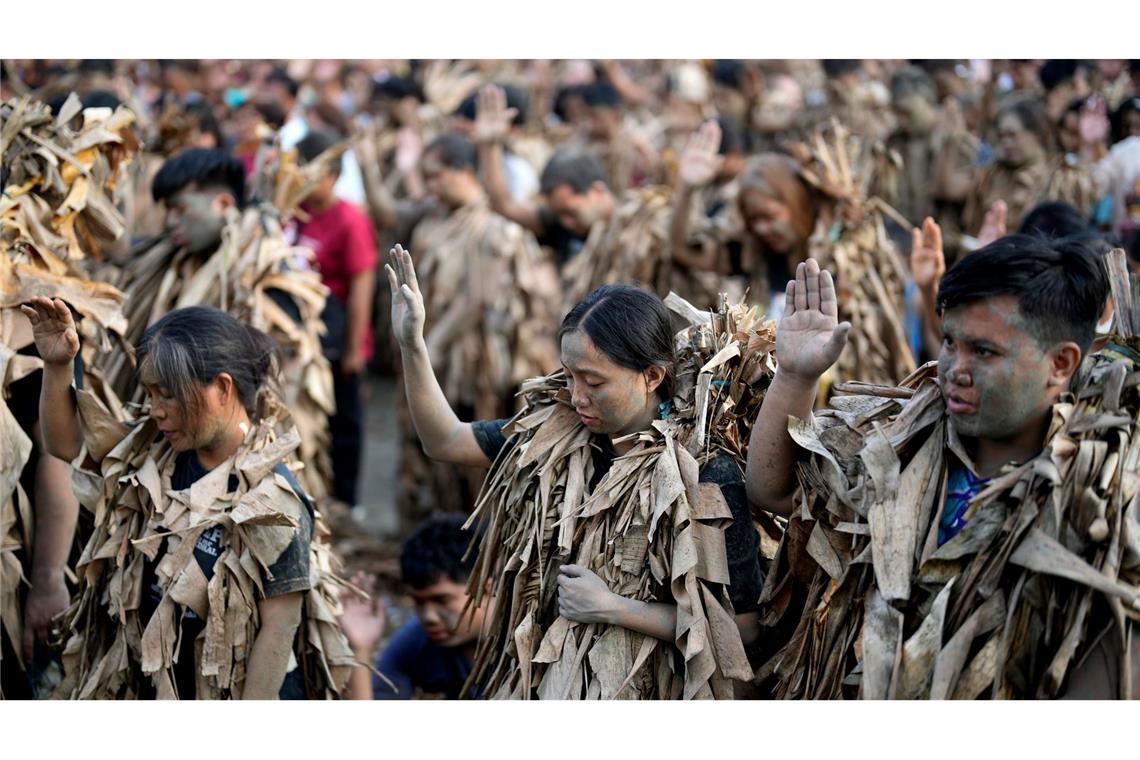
57 342
359 309
56 514
809 341
269 656
363 622
492 124
584 598
443 436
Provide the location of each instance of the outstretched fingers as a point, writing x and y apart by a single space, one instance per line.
828 303
811 277
801 287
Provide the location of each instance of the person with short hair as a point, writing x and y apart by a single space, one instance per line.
432 653
1018 318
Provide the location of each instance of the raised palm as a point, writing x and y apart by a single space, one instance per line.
810 337
53 329
407 302
700 161
492 117
927 261
363 620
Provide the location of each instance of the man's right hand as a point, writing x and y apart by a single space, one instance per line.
407 302
810 337
492 117
53 329
699 160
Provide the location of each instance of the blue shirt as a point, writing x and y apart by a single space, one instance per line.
412 662
961 487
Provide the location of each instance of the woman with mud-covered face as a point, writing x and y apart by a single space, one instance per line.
617 356
204 571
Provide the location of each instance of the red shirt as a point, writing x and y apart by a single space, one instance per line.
344 243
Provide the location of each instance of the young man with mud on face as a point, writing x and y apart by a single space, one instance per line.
1017 319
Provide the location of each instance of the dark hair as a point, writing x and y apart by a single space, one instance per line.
453 151
516 99
1132 244
562 98
1060 284
578 169
101 99
270 113
834 67
1054 219
933 65
1056 72
911 81
436 551
105 66
728 72
733 137
333 118
315 143
630 326
193 345
1119 117
601 94
397 88
280 76
1031 113
207 168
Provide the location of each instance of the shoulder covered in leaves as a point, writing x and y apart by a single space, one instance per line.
648 528
111 651
1047 562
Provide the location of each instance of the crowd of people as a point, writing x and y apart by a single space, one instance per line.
716 379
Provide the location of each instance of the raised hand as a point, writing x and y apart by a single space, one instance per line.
363 620
409 148
927 262
810 337
407 302
1093 121
53 329
993 225
699 160
492 117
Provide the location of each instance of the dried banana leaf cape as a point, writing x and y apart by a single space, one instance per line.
252 260
633 247
56 216
1003 608
110 653
494 270
854 246
648 529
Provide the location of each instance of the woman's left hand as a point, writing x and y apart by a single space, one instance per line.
584 598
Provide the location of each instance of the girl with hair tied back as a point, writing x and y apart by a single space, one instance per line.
201 579
619 566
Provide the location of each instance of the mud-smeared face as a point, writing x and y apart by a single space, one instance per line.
1016 145
610 399
995 375
440 610
770 220
194 219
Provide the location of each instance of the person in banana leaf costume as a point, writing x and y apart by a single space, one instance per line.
820 201
974 531
606 237
207 575
219 252
58 223
491 305
621 558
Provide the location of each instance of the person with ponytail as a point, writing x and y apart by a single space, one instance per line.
586 542
202 578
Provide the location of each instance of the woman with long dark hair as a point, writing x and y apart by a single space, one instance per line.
201 579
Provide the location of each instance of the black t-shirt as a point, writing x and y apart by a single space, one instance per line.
742 543
289 573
